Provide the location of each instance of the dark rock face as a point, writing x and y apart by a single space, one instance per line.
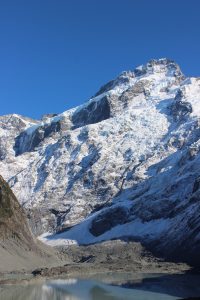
140 71
196 185
28 142
128 155
122 79
180 109
19 250
94 112
178 247
151 210
137 89
108 220
13 223
5 205
105 88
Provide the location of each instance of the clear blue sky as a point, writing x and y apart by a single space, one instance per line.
55 54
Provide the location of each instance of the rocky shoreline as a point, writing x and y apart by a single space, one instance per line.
88 261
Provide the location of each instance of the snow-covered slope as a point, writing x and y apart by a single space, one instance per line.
125 163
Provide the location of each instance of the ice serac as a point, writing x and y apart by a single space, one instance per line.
124 164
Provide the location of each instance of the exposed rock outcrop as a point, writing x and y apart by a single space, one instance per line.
19 250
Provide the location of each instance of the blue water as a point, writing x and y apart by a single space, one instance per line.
108 287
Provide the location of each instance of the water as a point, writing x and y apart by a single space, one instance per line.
108 287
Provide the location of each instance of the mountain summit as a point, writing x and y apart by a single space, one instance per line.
124 164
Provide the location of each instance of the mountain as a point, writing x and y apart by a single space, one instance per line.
19 249
125 164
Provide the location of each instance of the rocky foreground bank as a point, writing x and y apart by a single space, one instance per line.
19 249
88 261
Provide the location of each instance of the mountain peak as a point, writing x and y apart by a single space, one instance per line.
162 65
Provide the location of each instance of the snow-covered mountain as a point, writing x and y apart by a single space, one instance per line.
125 163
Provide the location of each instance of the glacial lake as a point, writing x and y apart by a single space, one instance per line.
108 287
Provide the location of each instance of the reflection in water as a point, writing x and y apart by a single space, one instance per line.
123 287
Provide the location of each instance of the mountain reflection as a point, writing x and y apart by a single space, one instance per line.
148 287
